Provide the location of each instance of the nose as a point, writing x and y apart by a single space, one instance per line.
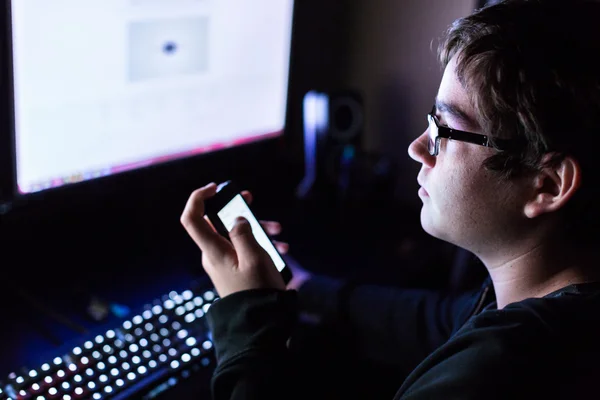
417 150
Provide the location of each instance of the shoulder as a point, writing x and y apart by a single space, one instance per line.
496 354
515 336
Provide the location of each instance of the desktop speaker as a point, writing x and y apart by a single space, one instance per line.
333 125
346 117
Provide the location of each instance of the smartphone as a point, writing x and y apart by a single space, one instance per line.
226 206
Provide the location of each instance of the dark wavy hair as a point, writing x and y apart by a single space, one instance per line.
532 68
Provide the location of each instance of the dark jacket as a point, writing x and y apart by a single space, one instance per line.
459 347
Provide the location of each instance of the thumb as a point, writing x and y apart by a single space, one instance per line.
243 240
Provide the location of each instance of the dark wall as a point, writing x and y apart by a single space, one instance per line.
393 62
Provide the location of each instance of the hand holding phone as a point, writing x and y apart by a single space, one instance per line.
235 256
223 211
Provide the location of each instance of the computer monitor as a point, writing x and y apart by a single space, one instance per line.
102 87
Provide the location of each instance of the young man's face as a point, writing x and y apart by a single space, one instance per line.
463 203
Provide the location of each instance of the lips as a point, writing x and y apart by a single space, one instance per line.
422 190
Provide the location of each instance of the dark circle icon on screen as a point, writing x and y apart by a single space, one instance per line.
170 48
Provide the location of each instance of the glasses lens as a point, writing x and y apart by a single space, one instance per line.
431 138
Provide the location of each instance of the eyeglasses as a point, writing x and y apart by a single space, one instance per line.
436 132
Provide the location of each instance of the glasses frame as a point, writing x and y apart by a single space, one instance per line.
433 144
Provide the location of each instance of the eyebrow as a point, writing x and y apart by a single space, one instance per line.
457 112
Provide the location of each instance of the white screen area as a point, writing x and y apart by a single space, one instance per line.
237 208
104 86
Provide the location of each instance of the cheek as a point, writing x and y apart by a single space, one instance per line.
456 178
464 196
485 201
458 187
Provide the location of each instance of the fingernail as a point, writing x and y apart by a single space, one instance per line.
241 220
210 184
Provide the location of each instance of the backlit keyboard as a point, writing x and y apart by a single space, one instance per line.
166 342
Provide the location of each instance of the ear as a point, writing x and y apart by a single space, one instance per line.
553 187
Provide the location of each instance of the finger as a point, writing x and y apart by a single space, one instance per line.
247 196
244 242
210 223
271 227
198 228
281 247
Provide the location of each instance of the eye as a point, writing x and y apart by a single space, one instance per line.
442 123
439 121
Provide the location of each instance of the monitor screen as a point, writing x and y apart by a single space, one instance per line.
106 86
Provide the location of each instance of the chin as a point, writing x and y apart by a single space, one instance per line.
427 223
432 226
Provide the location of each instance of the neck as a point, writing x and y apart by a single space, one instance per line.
538 270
